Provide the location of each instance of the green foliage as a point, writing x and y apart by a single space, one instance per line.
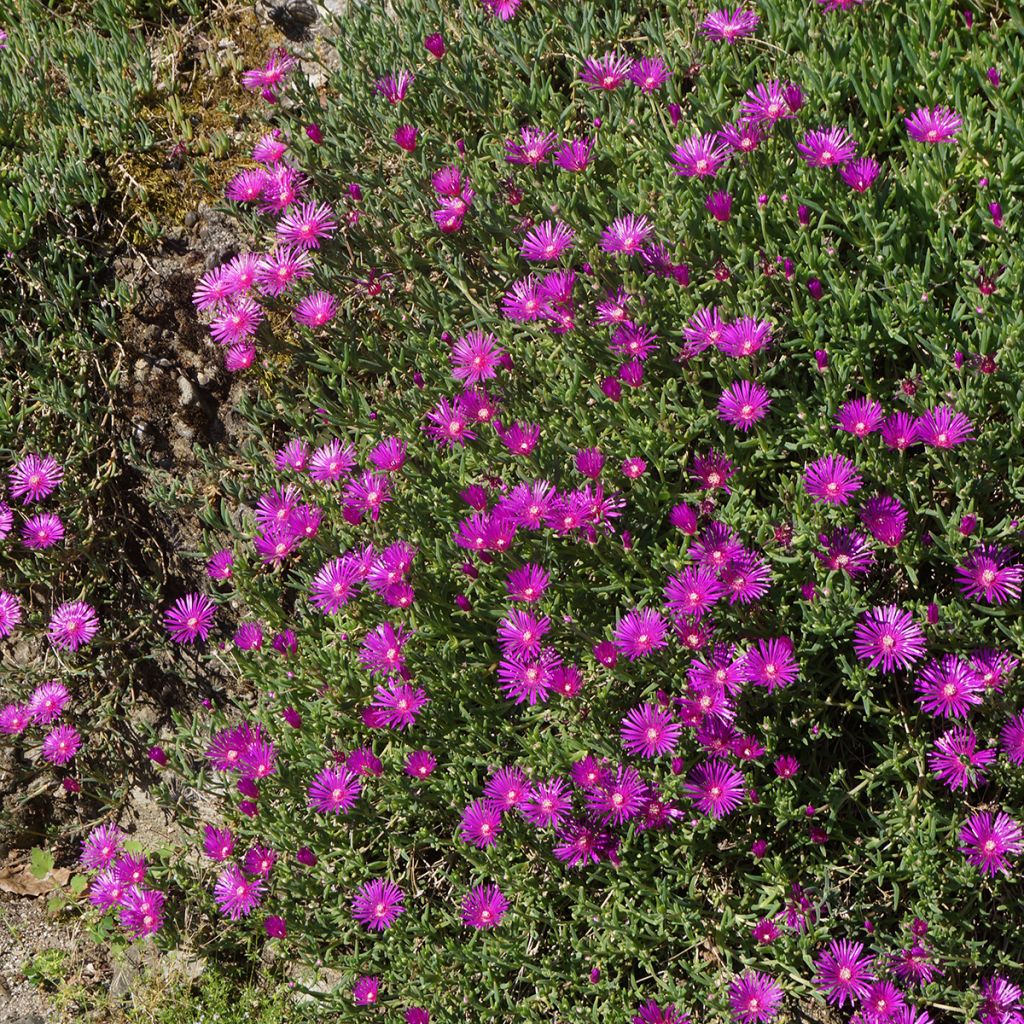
898 264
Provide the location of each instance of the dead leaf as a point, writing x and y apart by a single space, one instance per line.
16 877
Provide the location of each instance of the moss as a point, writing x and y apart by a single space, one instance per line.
198 120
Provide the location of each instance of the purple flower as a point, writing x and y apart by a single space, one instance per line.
754 997
729 25
766 103
987 841
860 417
484 907
72 625
190 618
365 990
699 157
42 531
606 73
102 846
846 551
943 427
832 480
956 761
218 844
47 702
827 148
889 637
315 310
743 403
532 150
844 971
649 74
334 791
481 824
990 574
693 592
933 124
860 174
948 687
35 477
639 632
548 804
394 87
397 706
715 788
141 912
772 664
574 155
885 519
620 798
649 731
626 234
378 904
61 744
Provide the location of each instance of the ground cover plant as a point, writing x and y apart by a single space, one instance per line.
626 558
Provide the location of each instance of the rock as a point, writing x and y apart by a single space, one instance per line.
28 1018
188 395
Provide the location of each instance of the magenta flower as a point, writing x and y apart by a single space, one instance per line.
990 574
889 637
450 423
405 136
900 431
943 427
846 551
987 841
860 417
333 585
549 803
334 791
712 471
606 73
620 798
719 205
394 87
743 403
247 186
728 25
832 480
398 705
484 907
860 174
35 477
529 680
754 997
772 664
280 269
527 583
10 613
532 149
47 702
42 531
649 731
306 225
885 519
365 990
649 74
639 632
574 155
61 744
378 904
547 241
237 896
933 124
766 103
948 687
744 337
476 357
316 309
507 789
218 844
652 1013
381 653
190 618
141 911
956 761
746 578
72 625
626 234
481 824
693 592
827 147
703 329
715 788
844 971
419 764
699 157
